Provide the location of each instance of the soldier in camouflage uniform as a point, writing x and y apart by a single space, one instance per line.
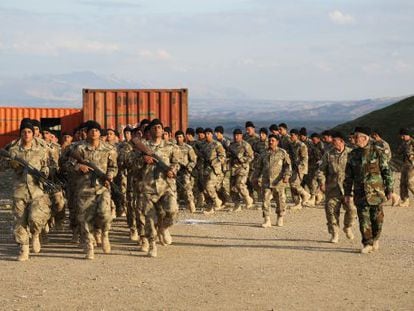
189 137
258 148
316 151
213 158
93 195
331 174
240 154
159 193
187 160
299 158
275 170
274 129
284 139
327 140
252 138
224 188
199 181
406 150
369 178
31 206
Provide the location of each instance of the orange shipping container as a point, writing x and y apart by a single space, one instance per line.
119 107
58 119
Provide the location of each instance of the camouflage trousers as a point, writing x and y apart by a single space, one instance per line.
160 211
30 214
407 181
278 194
310 180
198 188
333 203
121 200
371 218
211 183
58 207
223 187
186 187
94 212
71 196
296 188
238 184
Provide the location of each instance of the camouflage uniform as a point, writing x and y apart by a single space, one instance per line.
315 153
159 193
299 160
93 198
224 187
213 157
121 179
274 166
241 155
284 142
252 140
199 182
187 160
31 206
258 148
368 177
406 150
332 169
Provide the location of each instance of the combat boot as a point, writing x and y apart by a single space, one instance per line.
89 251
166 236
375 246
349 234
404 203
311 201
218 204
305 197
192 207
296 207
24 253
144 247
106 245
152 249
209 211
133 234
335 237
395 199
366 249
318 198
236 208
267 223
279 221
36 243
249 202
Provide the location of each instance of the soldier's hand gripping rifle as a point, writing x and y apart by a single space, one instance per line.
98 173
49 186
158 160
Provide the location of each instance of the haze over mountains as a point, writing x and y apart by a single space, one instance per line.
208 105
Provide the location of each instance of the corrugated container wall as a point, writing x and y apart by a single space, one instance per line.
60 119
118 108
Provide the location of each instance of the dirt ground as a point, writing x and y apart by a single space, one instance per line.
220 262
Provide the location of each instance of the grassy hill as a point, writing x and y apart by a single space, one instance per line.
387 120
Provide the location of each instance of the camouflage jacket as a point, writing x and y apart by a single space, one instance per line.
240 155
406 150
273 167
213 157
187 158
299 157
332 170
284 142
153 179
36 156
315 153
368 175
250 139
104 157
385 147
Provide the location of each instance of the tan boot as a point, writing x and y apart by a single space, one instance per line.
106 245
144 245
318 198
98 237
89 251
133 234
249 203
366 249
395 199
404 203
218 205
167 237
209 211
296 207
24 253
267 223
152 250
192 207
36 243
375 246
237 208
349 234
311 201
305 197
279 221
334 238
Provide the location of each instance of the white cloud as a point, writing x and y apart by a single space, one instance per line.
159 54
340 18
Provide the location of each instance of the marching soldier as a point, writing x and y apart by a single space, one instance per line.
406 150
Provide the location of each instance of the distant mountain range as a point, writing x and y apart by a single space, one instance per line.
208 105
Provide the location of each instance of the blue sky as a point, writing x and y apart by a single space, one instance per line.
267 49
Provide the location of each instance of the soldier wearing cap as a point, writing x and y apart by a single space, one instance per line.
369 179
240 154
31 205
331 173
213 157
223 188
275 170
258 148
284 139
406 150
316 153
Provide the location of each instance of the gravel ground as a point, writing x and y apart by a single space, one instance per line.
221 262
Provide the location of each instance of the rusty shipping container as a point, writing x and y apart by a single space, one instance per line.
58 119
119 107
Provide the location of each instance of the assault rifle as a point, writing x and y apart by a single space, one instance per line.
49 186
98 173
